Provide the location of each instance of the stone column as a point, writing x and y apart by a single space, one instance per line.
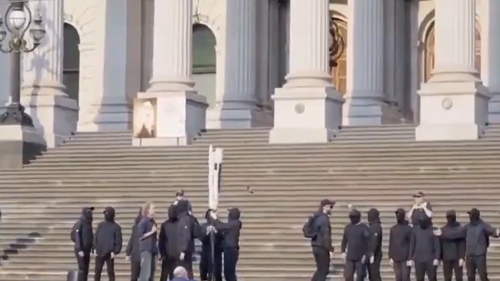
365 63
179 112
236 108
490 59
54 114
308 109
454 103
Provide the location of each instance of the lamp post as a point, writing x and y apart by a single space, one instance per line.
18 20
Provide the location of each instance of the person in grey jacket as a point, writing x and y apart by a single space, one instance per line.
133 250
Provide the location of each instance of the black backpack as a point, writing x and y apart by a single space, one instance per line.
308 228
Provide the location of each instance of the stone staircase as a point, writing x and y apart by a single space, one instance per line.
276 187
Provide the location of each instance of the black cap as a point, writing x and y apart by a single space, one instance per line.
451 213
179 193
400 211
418 194
326 202
474 211
108 210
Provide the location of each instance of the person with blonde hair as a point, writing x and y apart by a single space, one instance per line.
148 242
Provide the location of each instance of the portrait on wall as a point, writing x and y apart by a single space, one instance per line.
144 118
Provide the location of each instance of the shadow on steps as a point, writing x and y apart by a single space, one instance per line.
20 244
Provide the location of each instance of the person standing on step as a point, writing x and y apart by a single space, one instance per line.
453 255
374 245
354 247
187 229
399 247
133 249
477 234
420 208
148 242
231 241
82 236
167 244
318 229
108 244
425 250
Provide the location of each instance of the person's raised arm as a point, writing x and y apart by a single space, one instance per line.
427 207
491 231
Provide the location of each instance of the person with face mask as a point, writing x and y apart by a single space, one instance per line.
82 236
231 240
425 250
354 247
211 258
420 208
187 229
453 255
374 245
108 243
318 229
477 234
399 247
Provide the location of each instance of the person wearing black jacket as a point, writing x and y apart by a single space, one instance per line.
477 234
210 270
321 241
425 250
82 235
108 243
399 247
133 250
167 244
354 247
374 245
187 230
453 250
231 241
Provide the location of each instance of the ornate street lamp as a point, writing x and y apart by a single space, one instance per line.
337 44
18 20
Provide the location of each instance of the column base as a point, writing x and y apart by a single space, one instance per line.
306 115
19 145
370 112
222 117
494 108
168 118
108 115
55 116
452 111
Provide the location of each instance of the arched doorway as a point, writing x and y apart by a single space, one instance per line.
71 61
339 72
429 53
204 61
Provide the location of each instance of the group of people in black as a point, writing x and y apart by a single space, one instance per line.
413 243
173 243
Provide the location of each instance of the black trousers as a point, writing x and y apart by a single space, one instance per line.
425 268
167 269
231 256
83 266
135 270
354 267
322 260
110 266
476 264
401 271
452 266
187 263
374 268
206 266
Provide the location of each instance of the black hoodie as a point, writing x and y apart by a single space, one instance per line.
167 243
84 234
231 229
108 236
375 230
355 238
452 249
399 238
186 228
424 245
133 247
204 236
